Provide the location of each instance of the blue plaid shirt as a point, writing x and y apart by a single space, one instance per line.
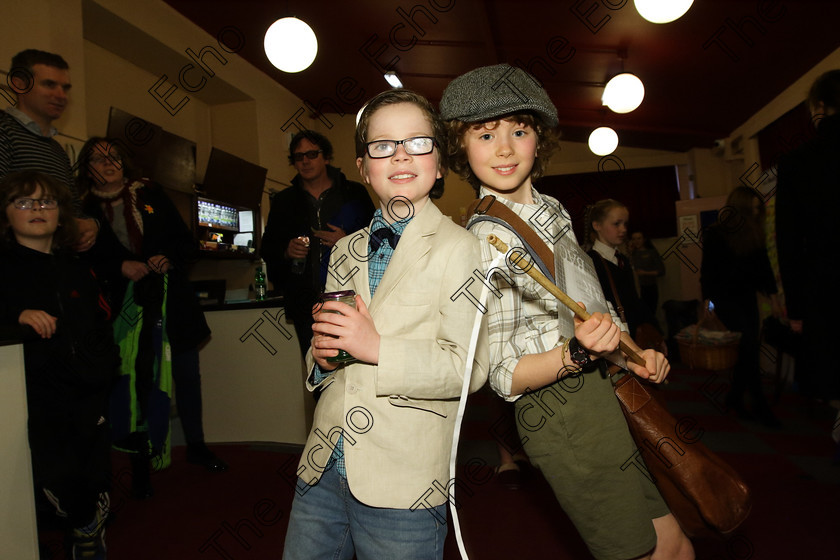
377 263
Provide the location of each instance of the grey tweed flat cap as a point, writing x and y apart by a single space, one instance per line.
492 91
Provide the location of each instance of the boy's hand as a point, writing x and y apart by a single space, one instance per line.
42 322
598 334
656 366
351 330
329 238
320 351
320 355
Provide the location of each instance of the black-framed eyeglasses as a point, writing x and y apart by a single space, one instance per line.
417 146
311 154
98 160
29 203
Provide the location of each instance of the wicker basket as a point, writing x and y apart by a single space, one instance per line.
708 356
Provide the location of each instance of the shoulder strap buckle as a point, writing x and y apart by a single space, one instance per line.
484 204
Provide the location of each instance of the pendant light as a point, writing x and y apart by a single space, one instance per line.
623 93
603 141
290 45
662 11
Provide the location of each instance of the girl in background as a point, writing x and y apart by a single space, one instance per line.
606 229
734 270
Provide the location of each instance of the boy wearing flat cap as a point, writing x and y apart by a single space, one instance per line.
502 130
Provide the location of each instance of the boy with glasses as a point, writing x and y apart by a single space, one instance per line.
373 478
52 302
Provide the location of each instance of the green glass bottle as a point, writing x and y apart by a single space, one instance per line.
259 284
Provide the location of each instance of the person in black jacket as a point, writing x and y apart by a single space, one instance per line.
305 221
145 247
51 301
807 197
734 269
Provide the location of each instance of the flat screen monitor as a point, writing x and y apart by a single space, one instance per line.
216 215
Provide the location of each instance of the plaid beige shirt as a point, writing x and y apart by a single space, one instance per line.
527 319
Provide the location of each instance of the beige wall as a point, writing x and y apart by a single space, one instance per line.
114 82
17 499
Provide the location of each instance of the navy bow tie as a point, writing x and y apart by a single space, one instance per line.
380 235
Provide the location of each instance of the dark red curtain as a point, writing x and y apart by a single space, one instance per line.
649 195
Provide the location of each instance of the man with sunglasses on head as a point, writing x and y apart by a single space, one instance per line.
41 81
305 221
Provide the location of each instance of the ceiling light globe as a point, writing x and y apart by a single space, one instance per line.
603 141
393 80
290 45
624 93
662 11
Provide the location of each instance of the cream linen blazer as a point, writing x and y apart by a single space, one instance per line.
397 417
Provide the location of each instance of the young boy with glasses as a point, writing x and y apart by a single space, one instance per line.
52 302
373 478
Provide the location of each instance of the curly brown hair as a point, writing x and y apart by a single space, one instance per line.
23 184
548 140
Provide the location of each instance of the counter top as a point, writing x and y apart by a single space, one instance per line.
277 301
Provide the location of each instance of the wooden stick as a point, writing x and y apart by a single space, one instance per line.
518 259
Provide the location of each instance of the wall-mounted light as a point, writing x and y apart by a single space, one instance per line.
623 93
662 11
603 141
290 45
392 78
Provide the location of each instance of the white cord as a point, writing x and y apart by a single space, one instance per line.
465 391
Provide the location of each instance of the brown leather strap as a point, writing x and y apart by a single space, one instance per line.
488 206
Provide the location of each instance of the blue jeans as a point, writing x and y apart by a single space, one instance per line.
327 522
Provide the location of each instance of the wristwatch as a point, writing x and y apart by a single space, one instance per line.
579 354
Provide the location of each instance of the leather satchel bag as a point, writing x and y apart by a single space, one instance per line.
706 496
